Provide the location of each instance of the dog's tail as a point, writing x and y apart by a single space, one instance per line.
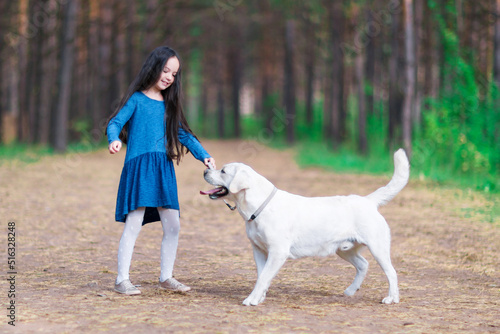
399 180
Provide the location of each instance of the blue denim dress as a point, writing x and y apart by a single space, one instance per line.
148 175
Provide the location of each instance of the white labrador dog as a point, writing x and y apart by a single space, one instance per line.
281 225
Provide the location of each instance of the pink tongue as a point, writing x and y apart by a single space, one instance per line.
209 192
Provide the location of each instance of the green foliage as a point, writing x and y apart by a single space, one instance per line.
32 153
459 136
314 131
86 140
23 152
268 128
344 160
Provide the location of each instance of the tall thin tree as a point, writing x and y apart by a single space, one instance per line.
359 74
337 73
419 63
371 32
94 65
105 59
289 89
410 76
235 61
496 53
65 75
220 79
20 90
49 71
4 8
394 82
309 65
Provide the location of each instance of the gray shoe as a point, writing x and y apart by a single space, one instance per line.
127 288
173 285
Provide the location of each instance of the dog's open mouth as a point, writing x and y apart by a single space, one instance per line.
216 192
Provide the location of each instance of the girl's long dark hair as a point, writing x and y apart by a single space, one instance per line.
174 116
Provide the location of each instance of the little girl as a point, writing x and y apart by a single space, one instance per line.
151 121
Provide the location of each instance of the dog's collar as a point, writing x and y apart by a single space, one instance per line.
232 208
263 206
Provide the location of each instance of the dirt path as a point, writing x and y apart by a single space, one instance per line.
66 242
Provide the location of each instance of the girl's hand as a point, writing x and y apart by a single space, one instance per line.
115 147
210 161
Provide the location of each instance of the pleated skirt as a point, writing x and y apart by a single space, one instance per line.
147 181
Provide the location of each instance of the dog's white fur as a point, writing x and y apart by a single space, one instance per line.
293 226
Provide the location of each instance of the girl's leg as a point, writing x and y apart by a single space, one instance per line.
133 225
171 226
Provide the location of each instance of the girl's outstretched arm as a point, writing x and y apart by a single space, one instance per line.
194 146
210 163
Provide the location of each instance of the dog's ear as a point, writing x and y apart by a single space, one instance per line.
239 182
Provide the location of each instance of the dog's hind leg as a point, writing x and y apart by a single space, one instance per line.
275 261
359 262
382 254
260 259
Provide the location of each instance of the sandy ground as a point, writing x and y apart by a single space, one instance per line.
445 249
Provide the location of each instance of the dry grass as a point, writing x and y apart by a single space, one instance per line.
67 239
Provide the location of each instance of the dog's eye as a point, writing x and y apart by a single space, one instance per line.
223 171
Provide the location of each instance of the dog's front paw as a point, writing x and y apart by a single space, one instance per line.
350 291
252 300
390 300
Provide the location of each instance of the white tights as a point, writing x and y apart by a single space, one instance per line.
133 224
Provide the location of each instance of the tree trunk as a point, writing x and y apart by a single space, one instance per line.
5 9
431 58
66 70
309 70
445 77
204 105
370 63
49 71
289 89
220 92
105 60
220 109
266 58
329 77
460 20
475 19
337 93
496 65
410 75
496 52
82 75
359 74
149 37
236 78
120 52
78 110
21 96
94 64
133 63
32 92
394 88
419 12
328 101
12 60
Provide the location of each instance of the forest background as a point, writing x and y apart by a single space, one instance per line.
344 82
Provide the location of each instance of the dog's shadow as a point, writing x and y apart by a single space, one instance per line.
281 293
